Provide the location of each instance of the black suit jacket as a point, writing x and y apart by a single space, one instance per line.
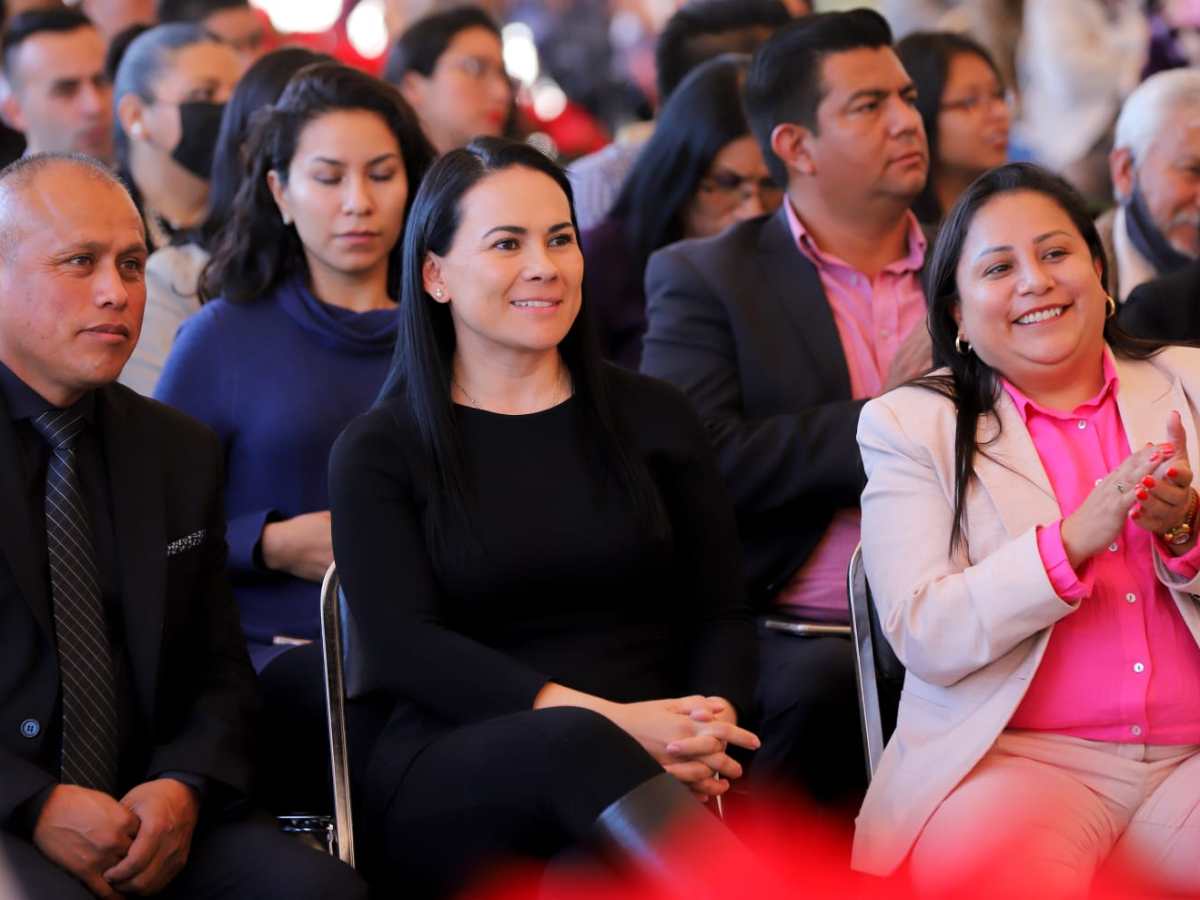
195 691
1165 309
741 324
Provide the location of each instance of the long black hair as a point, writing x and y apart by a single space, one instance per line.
258 88
702 115
254 251
926 56
421 369
972 384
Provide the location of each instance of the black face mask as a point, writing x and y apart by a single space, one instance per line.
1149 241
199 124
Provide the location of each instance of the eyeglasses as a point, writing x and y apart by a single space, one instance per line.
479 68
973 103
729 184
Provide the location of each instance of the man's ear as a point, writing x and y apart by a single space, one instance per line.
1120 168
412 88
10 106
431 276
792 143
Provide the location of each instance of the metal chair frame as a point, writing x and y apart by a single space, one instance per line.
335 712
864 662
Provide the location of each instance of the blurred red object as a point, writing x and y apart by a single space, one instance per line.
794 853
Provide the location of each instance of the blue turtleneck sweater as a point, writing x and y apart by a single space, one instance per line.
277 379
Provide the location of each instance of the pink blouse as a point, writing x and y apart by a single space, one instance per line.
1122 667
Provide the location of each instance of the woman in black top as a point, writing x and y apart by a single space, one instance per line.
537 551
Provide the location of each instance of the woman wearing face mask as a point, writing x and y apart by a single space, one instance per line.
539 557
173 271
169 94
699 173
1042 588
300 339
450 67
964 105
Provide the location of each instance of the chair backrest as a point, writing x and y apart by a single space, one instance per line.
334 617
879 672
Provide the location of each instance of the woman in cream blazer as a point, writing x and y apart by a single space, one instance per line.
971 619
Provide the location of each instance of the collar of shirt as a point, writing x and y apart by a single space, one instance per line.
24 402
825 262
1108 389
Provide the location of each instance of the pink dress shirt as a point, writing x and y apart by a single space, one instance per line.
1122 667
872 317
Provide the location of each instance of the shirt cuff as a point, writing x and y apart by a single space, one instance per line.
197 783
1069 585
243 534
30 811
1185 566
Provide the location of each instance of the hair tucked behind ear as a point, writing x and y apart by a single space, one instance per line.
421 367
972 384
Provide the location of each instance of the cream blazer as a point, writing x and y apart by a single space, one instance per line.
971 628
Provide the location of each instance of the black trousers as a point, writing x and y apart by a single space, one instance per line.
808 719
522 786
245 860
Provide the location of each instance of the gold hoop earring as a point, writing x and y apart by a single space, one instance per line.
1110 306
961 346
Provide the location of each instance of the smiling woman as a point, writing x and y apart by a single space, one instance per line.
1054 566
573 600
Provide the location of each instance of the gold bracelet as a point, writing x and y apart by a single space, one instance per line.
1182 533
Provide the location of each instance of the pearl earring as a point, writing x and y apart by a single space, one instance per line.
437 292
287 220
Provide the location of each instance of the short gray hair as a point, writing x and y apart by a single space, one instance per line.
17 176
21 171
1156 104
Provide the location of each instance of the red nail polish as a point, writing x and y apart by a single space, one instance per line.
1142 495
1172 472
1136 514
1148 481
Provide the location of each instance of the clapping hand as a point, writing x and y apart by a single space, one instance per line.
1162 496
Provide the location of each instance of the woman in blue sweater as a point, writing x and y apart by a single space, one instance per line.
301 337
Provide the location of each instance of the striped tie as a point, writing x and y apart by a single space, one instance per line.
89 717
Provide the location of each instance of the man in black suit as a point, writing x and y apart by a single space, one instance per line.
779 330
126 694
1165 309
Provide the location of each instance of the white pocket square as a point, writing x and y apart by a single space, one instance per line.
193 540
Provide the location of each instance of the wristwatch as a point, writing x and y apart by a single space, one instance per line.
1182 533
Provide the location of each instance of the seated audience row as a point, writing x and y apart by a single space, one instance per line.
697 32
700 172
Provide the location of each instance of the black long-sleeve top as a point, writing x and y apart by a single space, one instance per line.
556 582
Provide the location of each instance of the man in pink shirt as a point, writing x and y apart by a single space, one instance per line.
780 328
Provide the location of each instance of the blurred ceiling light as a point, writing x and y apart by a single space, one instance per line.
367 29
520 52
301 15
549 101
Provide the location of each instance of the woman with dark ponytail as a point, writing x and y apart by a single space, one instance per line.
538 556
1042 590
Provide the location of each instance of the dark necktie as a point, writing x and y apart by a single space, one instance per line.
89 717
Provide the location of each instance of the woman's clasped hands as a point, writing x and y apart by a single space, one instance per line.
689 737
1153 487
